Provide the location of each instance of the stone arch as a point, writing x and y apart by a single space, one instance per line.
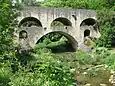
30 21
64 21
71 39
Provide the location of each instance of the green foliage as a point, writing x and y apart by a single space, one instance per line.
5 73
99 56
84 4
106 24
45 70
7 23
23 3
110 61
95 67
51 37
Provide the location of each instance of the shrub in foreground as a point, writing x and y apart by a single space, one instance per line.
44 70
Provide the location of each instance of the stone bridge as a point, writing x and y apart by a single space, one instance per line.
74 24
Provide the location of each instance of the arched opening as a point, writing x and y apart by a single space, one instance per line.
88 22
86 33
61 22
23 34
89 27
29 22
57 42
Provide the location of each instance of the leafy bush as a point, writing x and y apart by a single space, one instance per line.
5 73
99 56
84 4
106 24
7 23
44 70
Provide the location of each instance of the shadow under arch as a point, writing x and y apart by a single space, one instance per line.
88 22
30 21
86 33
74 43
62 20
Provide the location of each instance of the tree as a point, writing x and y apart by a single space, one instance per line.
82 4
107 29
7 23
27 3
